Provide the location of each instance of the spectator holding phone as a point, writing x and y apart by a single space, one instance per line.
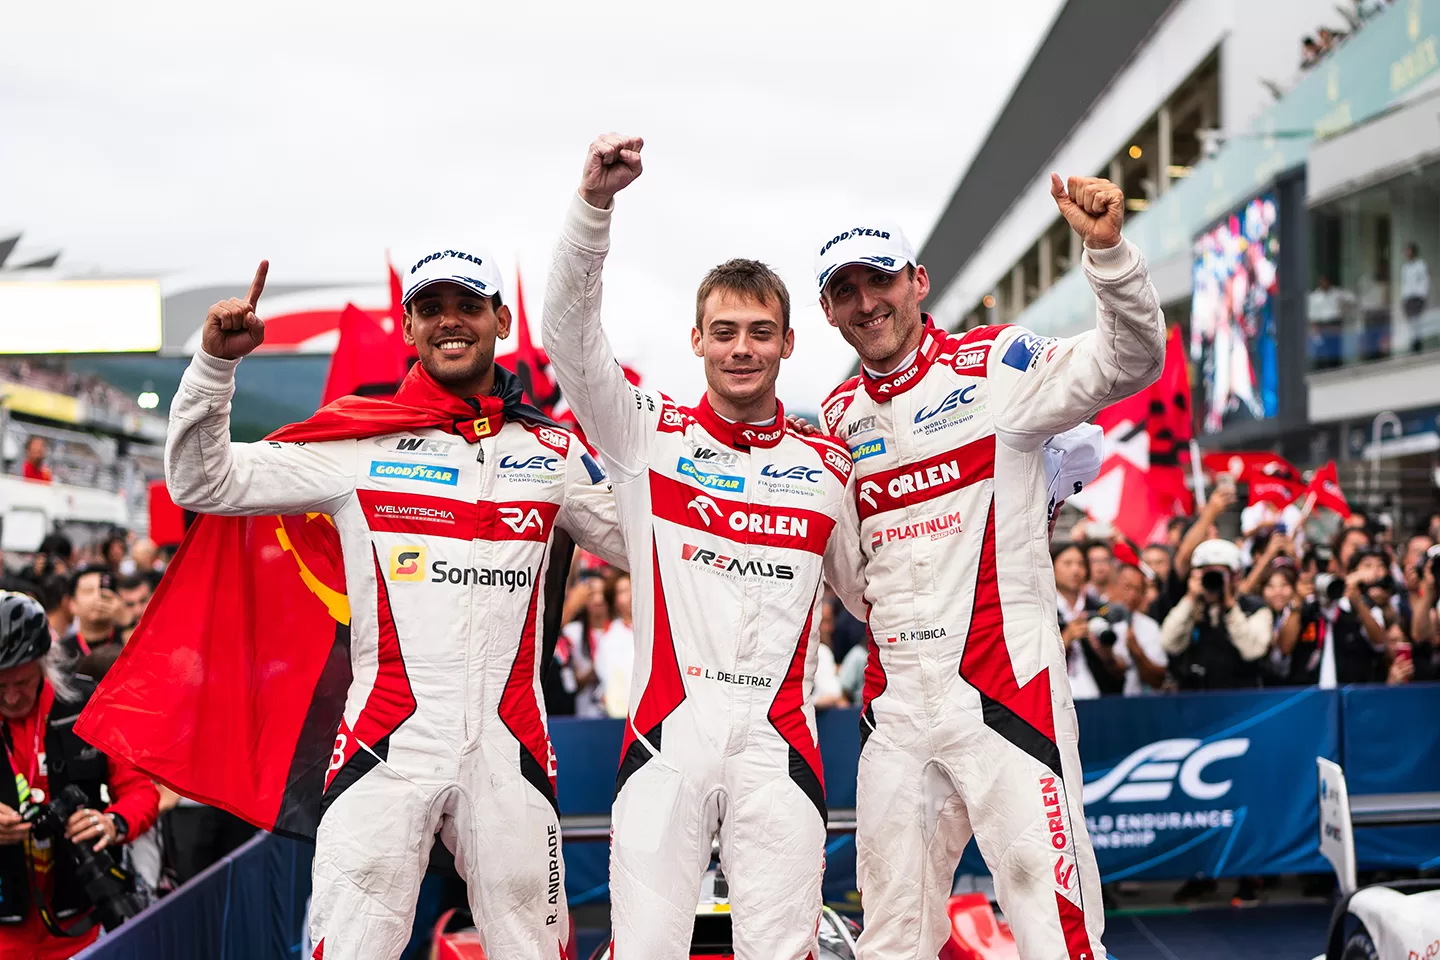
1423 598
1140 649
98 612
1213 642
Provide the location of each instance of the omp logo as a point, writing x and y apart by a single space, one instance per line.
554 438
868 489
833 415
839 462
715 481
423 446
670 417
1150 773
520 519
701 504
537 462
970 358
950 404
407 562
869 448
414 471
797 472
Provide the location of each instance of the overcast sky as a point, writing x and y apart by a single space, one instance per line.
189 140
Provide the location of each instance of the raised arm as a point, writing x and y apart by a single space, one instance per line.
613 413
207 473
1043 387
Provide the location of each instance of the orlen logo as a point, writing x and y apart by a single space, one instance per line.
1149 774
407 562
950 404
704 506
899 381
797 472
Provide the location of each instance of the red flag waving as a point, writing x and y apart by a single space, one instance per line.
1325 488
531 365
232 687
1270 477
367 362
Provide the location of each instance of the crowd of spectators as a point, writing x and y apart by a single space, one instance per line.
50 374
1270 608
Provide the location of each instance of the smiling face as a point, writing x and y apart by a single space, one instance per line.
454 330
877 313
742 341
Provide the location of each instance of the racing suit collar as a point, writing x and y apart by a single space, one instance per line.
893 384
740 436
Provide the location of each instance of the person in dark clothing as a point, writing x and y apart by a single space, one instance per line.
1342 633
1215 641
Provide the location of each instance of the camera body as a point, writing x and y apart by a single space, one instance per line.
1329 588
1106 619
108 887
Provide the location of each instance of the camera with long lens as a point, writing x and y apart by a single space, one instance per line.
1106 619
108 887
1213 583
1329 588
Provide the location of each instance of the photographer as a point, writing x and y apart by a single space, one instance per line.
1215 643
1342 626
1089 640
1141 650
45 909
1424 596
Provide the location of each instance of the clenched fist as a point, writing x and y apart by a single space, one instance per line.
231 327
612 164
1093 206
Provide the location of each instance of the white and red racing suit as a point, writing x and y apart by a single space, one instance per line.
727 526
447 548
968 724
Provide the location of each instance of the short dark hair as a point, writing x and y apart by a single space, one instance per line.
131 582
85 571
748 278
1089 545
1056 549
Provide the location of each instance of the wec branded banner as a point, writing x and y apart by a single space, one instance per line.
1213 784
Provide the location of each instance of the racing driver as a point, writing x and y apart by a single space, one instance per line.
447 505
968 724
727 515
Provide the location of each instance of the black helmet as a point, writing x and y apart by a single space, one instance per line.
24 631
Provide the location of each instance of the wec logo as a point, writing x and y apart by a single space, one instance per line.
950 404
797 472
538 462
1150 773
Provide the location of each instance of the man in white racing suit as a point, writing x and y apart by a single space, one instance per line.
968 725
727 516
448 540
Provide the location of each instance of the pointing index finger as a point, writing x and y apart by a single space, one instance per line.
257 286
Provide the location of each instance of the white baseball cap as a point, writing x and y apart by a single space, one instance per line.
1072 460
474 269
878 243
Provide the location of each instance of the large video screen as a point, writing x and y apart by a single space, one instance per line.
1233 316
80 316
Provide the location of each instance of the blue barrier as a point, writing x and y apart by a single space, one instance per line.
1205 784
249 906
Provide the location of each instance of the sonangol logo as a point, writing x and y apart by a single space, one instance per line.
1150 773
407 562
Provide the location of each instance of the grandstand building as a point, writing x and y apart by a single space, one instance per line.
1276 188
